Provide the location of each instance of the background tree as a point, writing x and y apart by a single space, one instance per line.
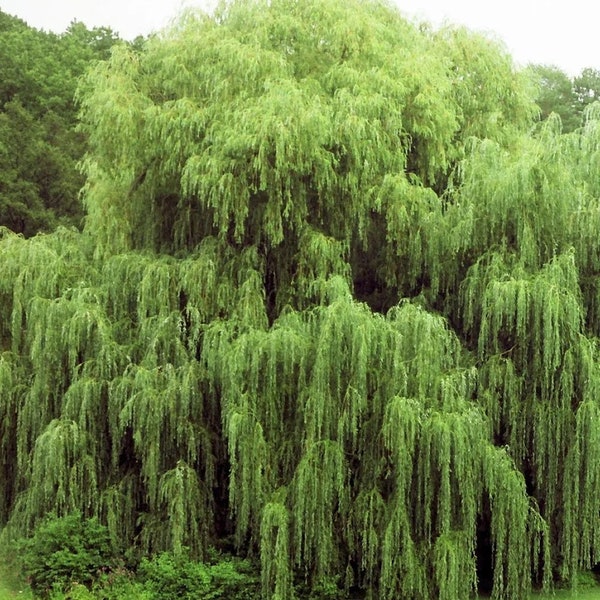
39 141
555 93
587 87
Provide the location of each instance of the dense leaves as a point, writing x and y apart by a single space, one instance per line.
171 577
256 133
64 550
568 97
39 142
335 307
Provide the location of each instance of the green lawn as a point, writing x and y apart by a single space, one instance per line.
582 594
8 592
11 587
587 594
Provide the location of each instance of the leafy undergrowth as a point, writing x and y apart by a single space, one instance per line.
69 558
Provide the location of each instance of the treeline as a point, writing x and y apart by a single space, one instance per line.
568 97
40 144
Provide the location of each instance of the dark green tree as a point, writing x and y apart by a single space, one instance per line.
98 41
587 87
39 142
554 93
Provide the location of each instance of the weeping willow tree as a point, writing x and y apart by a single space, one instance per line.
336 307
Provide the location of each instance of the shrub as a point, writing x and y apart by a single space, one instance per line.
75 592
121 586
64 551
171 577
327 588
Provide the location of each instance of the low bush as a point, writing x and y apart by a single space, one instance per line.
113 589
64 551
171 577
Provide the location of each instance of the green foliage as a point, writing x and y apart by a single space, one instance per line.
489 99
327 588
39 141
12 582
334 97
276 571
587 87
554 93
111 586
65 550
171 577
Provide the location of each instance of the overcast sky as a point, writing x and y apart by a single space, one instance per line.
533 30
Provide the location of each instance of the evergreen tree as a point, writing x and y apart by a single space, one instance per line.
40 144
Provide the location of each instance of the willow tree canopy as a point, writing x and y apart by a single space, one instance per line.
335 304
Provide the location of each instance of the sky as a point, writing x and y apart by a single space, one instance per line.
550 32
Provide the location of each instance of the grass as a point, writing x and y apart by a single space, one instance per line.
588 589
587 593
11 586
10 591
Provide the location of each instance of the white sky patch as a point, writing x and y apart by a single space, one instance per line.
550 32
129 18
